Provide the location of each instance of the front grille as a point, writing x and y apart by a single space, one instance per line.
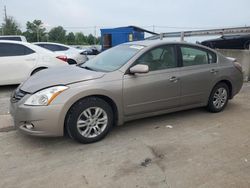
17 95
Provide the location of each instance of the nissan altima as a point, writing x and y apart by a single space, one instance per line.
127 82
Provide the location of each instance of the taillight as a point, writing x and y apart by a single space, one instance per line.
63 58
238 66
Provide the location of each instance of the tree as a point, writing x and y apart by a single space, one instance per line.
91 39
57 34
80 39
71 38
35 31
98 40
10 27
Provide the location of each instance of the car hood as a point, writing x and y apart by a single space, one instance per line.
58 76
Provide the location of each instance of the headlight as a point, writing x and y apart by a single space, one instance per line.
45 97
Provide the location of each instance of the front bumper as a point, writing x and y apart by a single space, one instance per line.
37 120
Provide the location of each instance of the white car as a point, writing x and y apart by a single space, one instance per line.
19 60
75 56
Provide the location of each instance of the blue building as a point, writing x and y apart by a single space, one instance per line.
115 36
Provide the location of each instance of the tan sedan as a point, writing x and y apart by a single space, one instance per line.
127 82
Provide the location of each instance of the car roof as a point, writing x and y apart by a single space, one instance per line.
149 43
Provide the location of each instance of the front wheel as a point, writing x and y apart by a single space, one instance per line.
218 98
89 120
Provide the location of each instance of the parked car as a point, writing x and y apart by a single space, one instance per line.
19 60
75 56
13 37
229 42
127 82
91 52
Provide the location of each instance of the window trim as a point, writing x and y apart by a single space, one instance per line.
198 48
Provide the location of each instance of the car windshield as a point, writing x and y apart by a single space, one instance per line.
112 59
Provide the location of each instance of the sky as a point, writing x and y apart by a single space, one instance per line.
158 15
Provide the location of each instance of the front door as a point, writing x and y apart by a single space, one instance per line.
154 91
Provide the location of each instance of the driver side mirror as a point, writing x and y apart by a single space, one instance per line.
139 69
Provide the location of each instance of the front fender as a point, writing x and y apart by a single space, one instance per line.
77 91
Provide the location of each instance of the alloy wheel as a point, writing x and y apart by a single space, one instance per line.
220 98
92 122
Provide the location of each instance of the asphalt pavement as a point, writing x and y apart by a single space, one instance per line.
189 149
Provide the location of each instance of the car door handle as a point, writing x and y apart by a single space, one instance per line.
173 79
214 71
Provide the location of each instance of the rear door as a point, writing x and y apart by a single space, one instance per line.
198 74
16 62
154 91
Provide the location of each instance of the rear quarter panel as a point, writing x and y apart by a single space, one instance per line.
227 71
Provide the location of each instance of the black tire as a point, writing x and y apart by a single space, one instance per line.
76 112
246 45
72 62
211 107
37 70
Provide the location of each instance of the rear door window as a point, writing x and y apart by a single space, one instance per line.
51 47
8 49
192 56
212 58
54 47
62 48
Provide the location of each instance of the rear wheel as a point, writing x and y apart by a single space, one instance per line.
218 98
89 120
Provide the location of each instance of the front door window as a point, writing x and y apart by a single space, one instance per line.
159 58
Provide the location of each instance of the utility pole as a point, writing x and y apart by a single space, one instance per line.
5 14
95 35
5 18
